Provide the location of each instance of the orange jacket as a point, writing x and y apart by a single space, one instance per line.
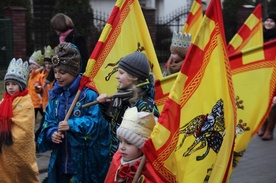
36 98
44 88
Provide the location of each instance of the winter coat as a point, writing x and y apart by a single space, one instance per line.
36 98
18 161
114 114
269 34
148 174
86 143
78 40
44 90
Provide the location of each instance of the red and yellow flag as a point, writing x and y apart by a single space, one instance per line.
250 34
192 25
125 32
254 79
194 19
193 140
162 88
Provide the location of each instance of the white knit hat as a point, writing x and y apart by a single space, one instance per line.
136 127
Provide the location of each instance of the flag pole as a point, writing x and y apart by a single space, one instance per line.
139 170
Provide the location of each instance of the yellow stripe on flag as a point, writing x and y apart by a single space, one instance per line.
194 139
125 32
250 34
257 78
194 19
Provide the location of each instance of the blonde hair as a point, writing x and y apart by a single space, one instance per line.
62 22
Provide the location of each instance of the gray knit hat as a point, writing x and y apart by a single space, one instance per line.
18 71
136 64
67 58
136 127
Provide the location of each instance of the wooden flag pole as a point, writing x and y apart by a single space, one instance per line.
139 170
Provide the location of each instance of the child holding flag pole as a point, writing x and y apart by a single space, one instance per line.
78 137
133 73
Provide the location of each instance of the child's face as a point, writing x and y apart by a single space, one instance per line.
125 80
128 151
63 78
33 66
12 87
48 65
175 63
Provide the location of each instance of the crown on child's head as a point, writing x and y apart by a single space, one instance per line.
48 53
181 40
180 43
18 71
136 127
37 58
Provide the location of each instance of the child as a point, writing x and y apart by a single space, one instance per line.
179 47
17 147
80 145
41 86
35 61
134 130
133 73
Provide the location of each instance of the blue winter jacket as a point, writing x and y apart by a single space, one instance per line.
85 148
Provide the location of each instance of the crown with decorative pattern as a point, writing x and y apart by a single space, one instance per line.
136 127
36 58
180 43
48 53
18 71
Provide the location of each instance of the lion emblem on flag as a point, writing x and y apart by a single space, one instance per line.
208 131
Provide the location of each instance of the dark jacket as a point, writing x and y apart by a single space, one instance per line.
269 35
78 40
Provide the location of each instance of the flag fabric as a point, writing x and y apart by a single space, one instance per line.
193 140
125 32
191 26
250 34
162 88
254 80
194 19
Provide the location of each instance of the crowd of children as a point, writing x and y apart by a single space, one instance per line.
81 144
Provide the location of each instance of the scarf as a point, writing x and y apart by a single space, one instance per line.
63 35
127 171
5 118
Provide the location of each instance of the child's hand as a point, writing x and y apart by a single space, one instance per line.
63 126
56 137
103 98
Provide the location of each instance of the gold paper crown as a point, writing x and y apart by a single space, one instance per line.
141 123
18 70
181 40
37 58
48 52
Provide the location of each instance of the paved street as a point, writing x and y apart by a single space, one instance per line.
258 165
